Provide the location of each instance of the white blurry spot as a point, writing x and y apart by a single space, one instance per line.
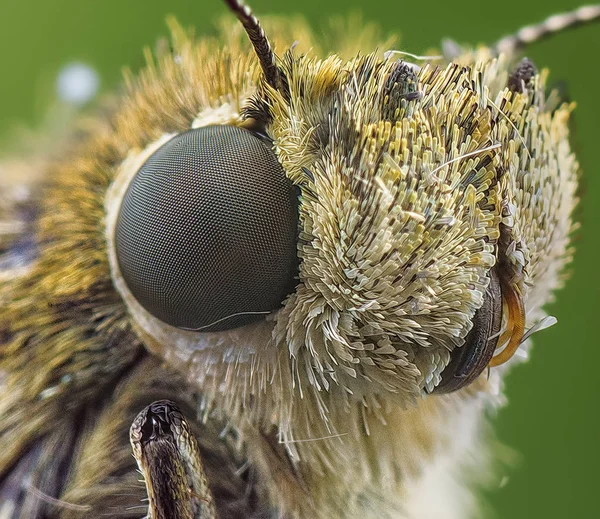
77 83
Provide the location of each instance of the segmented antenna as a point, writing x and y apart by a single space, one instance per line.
552 25
260 42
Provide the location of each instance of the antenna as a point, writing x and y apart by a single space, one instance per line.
260 42
554 24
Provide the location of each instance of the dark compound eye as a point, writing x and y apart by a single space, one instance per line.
469 361
207 231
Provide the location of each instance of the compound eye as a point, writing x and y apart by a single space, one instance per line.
206 234
472 358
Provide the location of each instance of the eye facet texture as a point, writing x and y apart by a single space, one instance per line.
206 234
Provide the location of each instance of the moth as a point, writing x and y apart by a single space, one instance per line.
291 281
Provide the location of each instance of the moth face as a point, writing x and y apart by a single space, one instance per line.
426 212
375 231
399 246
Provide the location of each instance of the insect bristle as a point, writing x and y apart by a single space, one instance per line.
58 503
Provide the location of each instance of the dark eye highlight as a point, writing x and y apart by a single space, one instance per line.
206 234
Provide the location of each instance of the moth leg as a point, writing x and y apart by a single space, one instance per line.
105 478
169 458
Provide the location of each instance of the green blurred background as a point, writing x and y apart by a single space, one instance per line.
552 419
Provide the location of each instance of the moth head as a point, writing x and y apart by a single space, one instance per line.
346 232
405 284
